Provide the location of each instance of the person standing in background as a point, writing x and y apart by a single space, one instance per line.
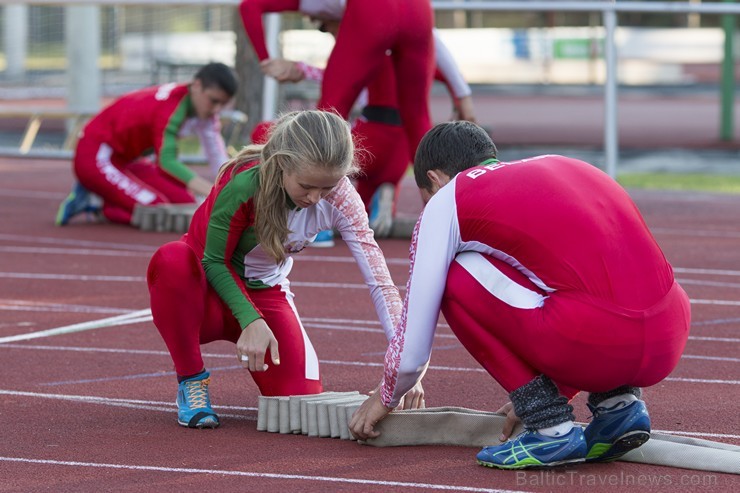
370 29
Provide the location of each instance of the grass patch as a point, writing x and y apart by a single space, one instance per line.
688 181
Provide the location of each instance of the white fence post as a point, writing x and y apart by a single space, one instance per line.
270 89
82 32
16 40
611 138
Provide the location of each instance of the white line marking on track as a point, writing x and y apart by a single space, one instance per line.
265 475
78 277
72 251
697 433
345 260
129 403
95 324
718 272
694 233
28 194
714 284
711 358
70 277
67 241
715 302
41 306
151 352
702 380
714 339
170 407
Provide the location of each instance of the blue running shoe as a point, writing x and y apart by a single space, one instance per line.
77 202
616 430
381 210
532 449
325 239
194 403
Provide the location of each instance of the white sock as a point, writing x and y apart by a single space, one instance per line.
557 430
618 399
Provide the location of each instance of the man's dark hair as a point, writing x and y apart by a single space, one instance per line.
451 147
219 75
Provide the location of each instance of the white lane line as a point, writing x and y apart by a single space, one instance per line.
72 251
135 376
715 302
40 306
70 277
716 321
714 339
126 403
168 406
702 380
94 324
717 272
264 475
28 194
714 284
78 277
698 434
711 358
345 260
117 246
694 233
80 243
144 316
151 352
300 284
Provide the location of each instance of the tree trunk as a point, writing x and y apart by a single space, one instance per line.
249 95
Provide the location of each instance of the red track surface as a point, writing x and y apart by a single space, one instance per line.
93 410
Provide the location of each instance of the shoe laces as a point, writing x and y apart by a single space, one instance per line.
596 411
197 392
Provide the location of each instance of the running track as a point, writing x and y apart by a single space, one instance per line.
91 407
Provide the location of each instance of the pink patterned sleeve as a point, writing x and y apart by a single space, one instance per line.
434 244
310 72
352 223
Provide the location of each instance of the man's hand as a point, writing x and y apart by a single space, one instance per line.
367 416
282 70
511 420
252 346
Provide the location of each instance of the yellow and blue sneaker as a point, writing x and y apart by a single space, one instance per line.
532 449
194 403
78 201
616 430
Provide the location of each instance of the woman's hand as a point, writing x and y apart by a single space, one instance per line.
414 398
367 416
511 420
252 346
464 109
282 70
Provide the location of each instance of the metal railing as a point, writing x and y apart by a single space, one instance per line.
608 9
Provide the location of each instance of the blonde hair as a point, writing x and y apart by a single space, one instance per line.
298 140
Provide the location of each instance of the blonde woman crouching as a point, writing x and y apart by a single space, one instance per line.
227 278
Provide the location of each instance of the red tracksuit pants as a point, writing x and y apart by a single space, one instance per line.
188 312
368 30
517 332
121 184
